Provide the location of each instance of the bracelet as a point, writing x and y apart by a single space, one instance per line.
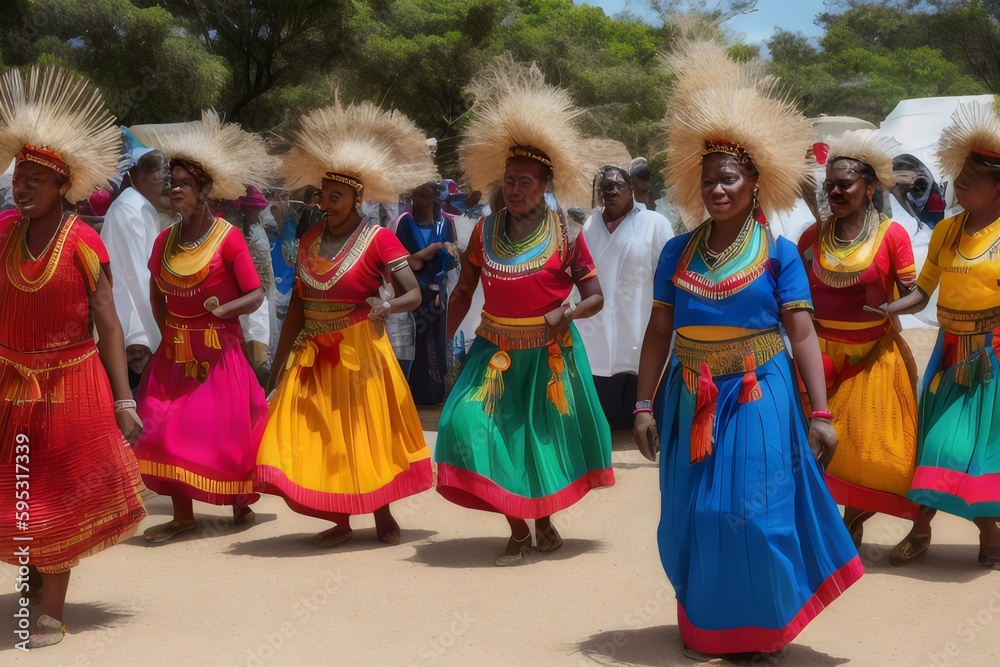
822 414
123 405
387 306
641 410
644 405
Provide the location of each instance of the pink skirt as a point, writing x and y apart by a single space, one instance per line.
203 420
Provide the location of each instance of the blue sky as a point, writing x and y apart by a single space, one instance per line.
797 15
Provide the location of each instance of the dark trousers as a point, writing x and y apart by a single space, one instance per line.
617 396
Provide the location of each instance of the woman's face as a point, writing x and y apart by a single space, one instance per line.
337 201
976 190
186 197
726 189
524 184
846 189
36 190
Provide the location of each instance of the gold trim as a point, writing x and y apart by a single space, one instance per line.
354 249
965 323
354 183
200 482
513 333
725 357
185 267
16 255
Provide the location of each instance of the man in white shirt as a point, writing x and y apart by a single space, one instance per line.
625 240
130 227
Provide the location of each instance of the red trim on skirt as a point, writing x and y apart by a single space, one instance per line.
871 500
767 640
472 490
322 505
973 489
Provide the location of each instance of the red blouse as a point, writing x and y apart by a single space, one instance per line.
531 278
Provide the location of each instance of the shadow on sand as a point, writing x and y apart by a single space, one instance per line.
661 647
475 552
80 617
301 545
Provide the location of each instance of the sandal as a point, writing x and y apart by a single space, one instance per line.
989 557
522 546
50 632
165 531
332 537
549 541
698 656
911 547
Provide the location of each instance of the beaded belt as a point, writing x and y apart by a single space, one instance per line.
964 323
513 333
725 357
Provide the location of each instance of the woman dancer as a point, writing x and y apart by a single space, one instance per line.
958 457
343 436
749 536
69 482
202 405
857 260
523 433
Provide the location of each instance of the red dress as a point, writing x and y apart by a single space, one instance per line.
61 452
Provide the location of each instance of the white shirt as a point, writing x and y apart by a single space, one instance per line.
130 227
626 261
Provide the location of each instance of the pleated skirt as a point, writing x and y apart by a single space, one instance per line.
343 435
749 537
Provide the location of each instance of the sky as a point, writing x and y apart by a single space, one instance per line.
797 15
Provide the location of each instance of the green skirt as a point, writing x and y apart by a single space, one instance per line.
523 432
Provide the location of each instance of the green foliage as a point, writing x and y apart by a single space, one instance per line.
872 56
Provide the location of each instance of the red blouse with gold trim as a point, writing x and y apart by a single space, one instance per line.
338 289
845 278
531 277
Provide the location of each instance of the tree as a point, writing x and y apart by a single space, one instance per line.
145 71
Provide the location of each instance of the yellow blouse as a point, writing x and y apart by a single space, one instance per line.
966 268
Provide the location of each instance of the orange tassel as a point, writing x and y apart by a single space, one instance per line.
556 390
703 425
182 347
750 388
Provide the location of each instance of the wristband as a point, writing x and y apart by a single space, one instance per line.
644 405
822 414
123 405
638 411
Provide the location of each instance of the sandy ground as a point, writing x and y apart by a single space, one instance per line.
265 595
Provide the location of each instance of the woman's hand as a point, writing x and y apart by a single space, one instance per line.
557 321
647 439
822 441
129 425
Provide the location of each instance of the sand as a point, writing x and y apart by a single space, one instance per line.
264 595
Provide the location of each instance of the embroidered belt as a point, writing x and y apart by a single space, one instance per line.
520 333
725 357
513 333
702 361
964 323
39 366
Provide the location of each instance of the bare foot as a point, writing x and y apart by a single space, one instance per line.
386 527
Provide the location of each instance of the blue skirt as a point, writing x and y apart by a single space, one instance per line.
750 537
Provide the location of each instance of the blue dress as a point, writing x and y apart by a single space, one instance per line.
749 535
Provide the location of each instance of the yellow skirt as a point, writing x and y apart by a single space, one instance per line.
343 435
874 406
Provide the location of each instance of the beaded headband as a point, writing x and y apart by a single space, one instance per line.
358 186
718 145
45 157
532 153
984 156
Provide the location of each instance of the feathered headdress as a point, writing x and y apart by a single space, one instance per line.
743 115
870 148
60 121
381 154
515 113
975 132
232 157
701 64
